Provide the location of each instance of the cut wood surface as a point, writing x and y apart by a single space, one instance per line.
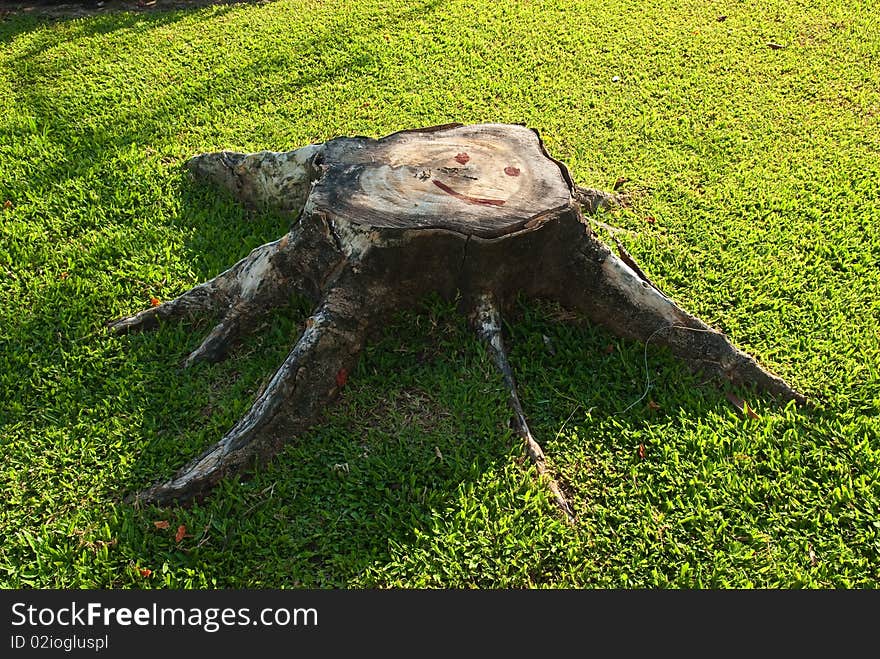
487 180
481 212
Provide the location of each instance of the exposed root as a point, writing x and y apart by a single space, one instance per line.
592 201
616 293
215 346
240 282
202 299
487 320
267 178
304 384
627 258
595 200
241 295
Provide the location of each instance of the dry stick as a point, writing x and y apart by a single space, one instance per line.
488 325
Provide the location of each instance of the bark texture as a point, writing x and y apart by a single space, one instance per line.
482 211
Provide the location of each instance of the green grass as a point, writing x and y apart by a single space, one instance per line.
760 167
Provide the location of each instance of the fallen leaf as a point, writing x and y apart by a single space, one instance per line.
609 348
721 19
812 554
181 533
642 452
438 453
154 301
653 405
341 377
619 182
63 275
7 204
650 219
163 524
741 405
775 46
749 411
145 571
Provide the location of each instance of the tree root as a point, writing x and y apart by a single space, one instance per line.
237 285
481 210
487 321
307 381
614 292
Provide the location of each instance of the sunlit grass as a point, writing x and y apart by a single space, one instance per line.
758 166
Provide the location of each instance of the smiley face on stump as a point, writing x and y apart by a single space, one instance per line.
485 180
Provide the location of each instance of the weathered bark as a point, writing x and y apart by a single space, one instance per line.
482 211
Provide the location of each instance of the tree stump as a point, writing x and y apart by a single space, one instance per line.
478 211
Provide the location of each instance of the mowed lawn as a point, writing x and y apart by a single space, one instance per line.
755 173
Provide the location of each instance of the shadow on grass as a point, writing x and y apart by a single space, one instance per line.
99 23
330 506
95 147
422 426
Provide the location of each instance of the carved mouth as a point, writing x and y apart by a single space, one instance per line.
467 198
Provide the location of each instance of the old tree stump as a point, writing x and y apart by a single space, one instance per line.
482 212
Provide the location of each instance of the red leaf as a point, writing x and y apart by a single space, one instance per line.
163 524
7 204
154 301
181 533
741 406
619 182
642 452
609 348
145 571
749 411
653 405
341 378
462 158
650 219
